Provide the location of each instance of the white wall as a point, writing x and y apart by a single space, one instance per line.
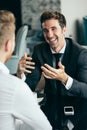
74 10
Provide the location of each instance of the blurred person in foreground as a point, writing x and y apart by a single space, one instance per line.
16 99
64 80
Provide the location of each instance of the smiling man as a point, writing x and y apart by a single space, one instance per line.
60 60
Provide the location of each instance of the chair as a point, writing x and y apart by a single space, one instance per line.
20 48
85 29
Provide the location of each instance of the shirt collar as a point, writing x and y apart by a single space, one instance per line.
3 68
61 51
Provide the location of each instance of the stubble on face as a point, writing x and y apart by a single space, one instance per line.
54 34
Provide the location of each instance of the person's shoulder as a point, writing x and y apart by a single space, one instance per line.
41 47
43 44
13 80
10 81
74 44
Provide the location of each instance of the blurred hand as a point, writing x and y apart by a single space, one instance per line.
25 65
52 73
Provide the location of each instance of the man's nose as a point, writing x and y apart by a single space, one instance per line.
50 33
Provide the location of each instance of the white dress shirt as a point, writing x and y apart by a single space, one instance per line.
17 102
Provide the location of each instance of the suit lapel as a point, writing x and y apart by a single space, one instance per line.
47 55
66 56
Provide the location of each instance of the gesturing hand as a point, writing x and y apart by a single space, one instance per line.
25 65
52 73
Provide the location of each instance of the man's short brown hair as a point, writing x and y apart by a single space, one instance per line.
47 15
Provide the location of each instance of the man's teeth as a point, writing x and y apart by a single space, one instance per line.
52 40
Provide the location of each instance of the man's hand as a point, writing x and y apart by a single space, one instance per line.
25 65
57 74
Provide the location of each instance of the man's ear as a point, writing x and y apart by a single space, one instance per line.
7 45
64 30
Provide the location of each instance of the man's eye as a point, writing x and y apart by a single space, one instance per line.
45 31
53 28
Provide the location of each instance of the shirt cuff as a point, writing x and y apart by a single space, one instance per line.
69 83
23 77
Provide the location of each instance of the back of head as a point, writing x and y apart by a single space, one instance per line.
47 15
7 26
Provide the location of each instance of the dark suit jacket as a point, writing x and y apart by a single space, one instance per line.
75 62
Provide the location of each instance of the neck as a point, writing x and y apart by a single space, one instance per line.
59 48
2 57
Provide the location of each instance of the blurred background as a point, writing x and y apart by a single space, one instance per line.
27 12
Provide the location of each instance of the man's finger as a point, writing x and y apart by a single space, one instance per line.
25 55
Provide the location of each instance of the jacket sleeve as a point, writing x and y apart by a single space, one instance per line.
79 86
33 78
